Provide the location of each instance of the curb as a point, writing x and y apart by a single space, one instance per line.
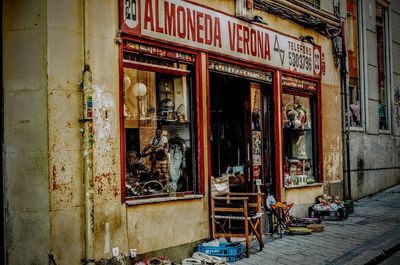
384 255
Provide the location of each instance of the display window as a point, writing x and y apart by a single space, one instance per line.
299 132
158 121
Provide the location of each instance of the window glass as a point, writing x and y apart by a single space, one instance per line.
298 128
158 139
256 129
355 114
381 46
355 108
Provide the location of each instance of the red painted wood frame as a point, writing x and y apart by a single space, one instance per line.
317 94
199 125
274 95
277 96
278 130
278 133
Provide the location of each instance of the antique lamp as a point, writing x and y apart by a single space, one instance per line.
139 90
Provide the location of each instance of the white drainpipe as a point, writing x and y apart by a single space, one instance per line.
88 139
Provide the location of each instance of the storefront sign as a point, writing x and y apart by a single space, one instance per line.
288 81
150 50
238 71
187 24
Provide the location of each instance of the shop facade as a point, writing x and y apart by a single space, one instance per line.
230 96
173 93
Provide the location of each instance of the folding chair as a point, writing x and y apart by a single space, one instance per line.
238 215
280 212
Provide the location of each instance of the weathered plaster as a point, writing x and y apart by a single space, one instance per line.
302 199
64 114
331 133
65 141
377 166
113 213
171 224
332 166
66 180
25 132
227 6
106 152
67 236
106 121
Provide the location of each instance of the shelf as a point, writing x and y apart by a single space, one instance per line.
167 92
297 129
303 186
295 159
174 122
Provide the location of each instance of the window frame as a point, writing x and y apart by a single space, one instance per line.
313 96
195 120
359 52
386 66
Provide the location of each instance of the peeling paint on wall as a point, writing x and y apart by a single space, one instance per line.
332 164
104 119
105 123
332 159
334 142
61 184
107 179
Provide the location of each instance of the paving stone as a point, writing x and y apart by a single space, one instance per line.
365 234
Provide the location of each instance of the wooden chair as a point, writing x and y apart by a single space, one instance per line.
238 215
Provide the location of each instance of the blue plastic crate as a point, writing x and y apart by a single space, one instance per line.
232 251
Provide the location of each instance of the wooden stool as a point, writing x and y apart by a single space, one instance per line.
280 211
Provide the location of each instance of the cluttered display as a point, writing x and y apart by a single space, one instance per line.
157 132
298 141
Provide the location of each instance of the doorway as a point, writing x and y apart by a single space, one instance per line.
241 131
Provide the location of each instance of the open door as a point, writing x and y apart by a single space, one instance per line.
240 131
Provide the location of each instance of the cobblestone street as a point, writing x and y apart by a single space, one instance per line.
368 234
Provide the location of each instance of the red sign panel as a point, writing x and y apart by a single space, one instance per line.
187 24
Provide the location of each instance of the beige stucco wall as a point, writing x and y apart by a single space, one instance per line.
25 162
65 148
331 118
303 198
129 226
167 224
65 66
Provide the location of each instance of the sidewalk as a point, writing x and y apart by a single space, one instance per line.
372 231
